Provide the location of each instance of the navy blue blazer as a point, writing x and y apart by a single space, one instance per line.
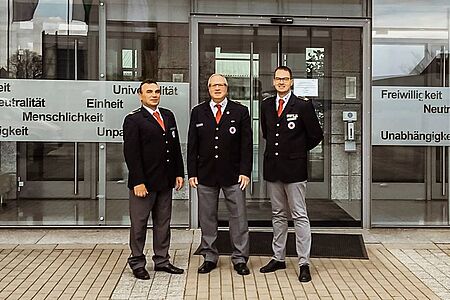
219 153
288 139
153 156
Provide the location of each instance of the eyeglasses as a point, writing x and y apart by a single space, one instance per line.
282 78
217 85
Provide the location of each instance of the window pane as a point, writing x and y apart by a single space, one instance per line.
286 7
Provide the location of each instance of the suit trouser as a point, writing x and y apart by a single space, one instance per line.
160 205
208 202
285 196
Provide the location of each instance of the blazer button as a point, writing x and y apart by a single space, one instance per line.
216 147
217 156
164 134
167 142
216 137
168 151
276 144
276 153
277 134
168 160
217 128
278 125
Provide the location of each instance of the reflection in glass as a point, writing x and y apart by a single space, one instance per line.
139 50
347 8
54 40
145 40
398 164
410 48
43 157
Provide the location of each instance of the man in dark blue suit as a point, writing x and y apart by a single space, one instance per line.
291 128
153 156
220 158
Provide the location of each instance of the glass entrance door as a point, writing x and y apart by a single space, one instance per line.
328 60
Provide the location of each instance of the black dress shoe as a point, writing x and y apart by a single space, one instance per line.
305 275
169 268
206 267
272 266
242 269
141 273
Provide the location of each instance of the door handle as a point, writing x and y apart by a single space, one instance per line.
75 182
75 173
443 148
251 108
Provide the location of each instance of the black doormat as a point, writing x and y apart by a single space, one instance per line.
324 245
321 213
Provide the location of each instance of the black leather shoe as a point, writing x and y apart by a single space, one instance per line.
272 266
169 268
305 275
141 273
242 269
206 267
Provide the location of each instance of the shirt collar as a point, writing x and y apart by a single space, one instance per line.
223 103
151 111
285 98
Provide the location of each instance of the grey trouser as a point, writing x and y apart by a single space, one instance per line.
160 205
285 196
208 201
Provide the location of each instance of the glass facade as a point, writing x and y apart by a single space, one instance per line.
321 8
83 182
410 49
70 60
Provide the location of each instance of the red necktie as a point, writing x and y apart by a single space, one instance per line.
280 107
218 113
160 121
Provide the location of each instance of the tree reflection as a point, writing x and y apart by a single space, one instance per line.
25 64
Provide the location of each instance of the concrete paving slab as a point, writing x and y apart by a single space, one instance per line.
91 264
21 236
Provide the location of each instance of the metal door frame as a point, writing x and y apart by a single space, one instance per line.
364 23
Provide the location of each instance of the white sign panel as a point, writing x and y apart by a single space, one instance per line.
306 87
410 116
81 111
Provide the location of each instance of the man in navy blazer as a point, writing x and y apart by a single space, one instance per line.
220 151
291 128
153 156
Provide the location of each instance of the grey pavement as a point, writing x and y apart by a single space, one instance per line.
91 264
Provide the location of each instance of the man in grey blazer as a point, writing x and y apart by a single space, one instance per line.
291 128
220 158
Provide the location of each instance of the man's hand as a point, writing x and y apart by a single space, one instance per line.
193 182
179 181
140 190
243 180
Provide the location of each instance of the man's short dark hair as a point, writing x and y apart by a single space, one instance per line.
149 81
284 68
